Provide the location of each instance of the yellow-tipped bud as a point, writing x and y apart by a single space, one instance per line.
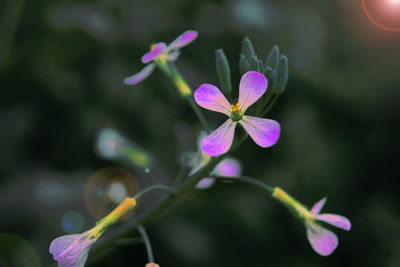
126 205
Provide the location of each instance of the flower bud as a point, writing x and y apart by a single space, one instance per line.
272 58
248 49
281 76
223 71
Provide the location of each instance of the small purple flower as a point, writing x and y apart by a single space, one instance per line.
264 132
323 241
72 250
227 167
160 53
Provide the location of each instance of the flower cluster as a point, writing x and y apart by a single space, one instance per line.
72 250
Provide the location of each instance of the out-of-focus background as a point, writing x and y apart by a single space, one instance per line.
61 69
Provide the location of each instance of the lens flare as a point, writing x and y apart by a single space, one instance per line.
383 14
106 188
72 222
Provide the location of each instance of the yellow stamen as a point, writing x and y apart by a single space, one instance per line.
235 107
292 203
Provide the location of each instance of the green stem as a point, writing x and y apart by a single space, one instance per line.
147 243
247 180
152 188
183 88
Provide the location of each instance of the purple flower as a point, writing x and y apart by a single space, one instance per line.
227 167
161 53
72 250
323 241
264 132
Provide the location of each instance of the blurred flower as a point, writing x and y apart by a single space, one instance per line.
263 131
227 167
152 265
72 250
161 53
111 145
323 241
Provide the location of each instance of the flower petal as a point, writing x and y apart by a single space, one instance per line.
79 263
263 131
227 167
318 206
155 51
220 140
140 76
252 86
323 241
205 183
335 220
152 265
210 97
183 40
61 243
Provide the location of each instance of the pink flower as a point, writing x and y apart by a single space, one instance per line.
323 241
160 53
152 264
227 167
72 250
264 132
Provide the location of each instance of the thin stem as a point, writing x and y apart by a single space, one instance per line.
147 243
270 105
184 89
248 180
154 187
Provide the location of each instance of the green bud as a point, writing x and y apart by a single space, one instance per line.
244 65
273 58
254 64
248 49
223 71
281 76
269 73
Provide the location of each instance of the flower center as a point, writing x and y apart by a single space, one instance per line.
236 113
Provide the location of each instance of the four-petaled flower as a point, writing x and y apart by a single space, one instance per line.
161 53
323 241
264 132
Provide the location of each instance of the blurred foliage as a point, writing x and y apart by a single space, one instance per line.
61 69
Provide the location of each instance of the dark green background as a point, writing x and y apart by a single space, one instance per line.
61 69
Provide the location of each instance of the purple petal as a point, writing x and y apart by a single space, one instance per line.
323 241
183 40
61 243
219 141
335 220
263 131
318 206
71 249
252 86
155 51
140 76
227 167
205 183
210 97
